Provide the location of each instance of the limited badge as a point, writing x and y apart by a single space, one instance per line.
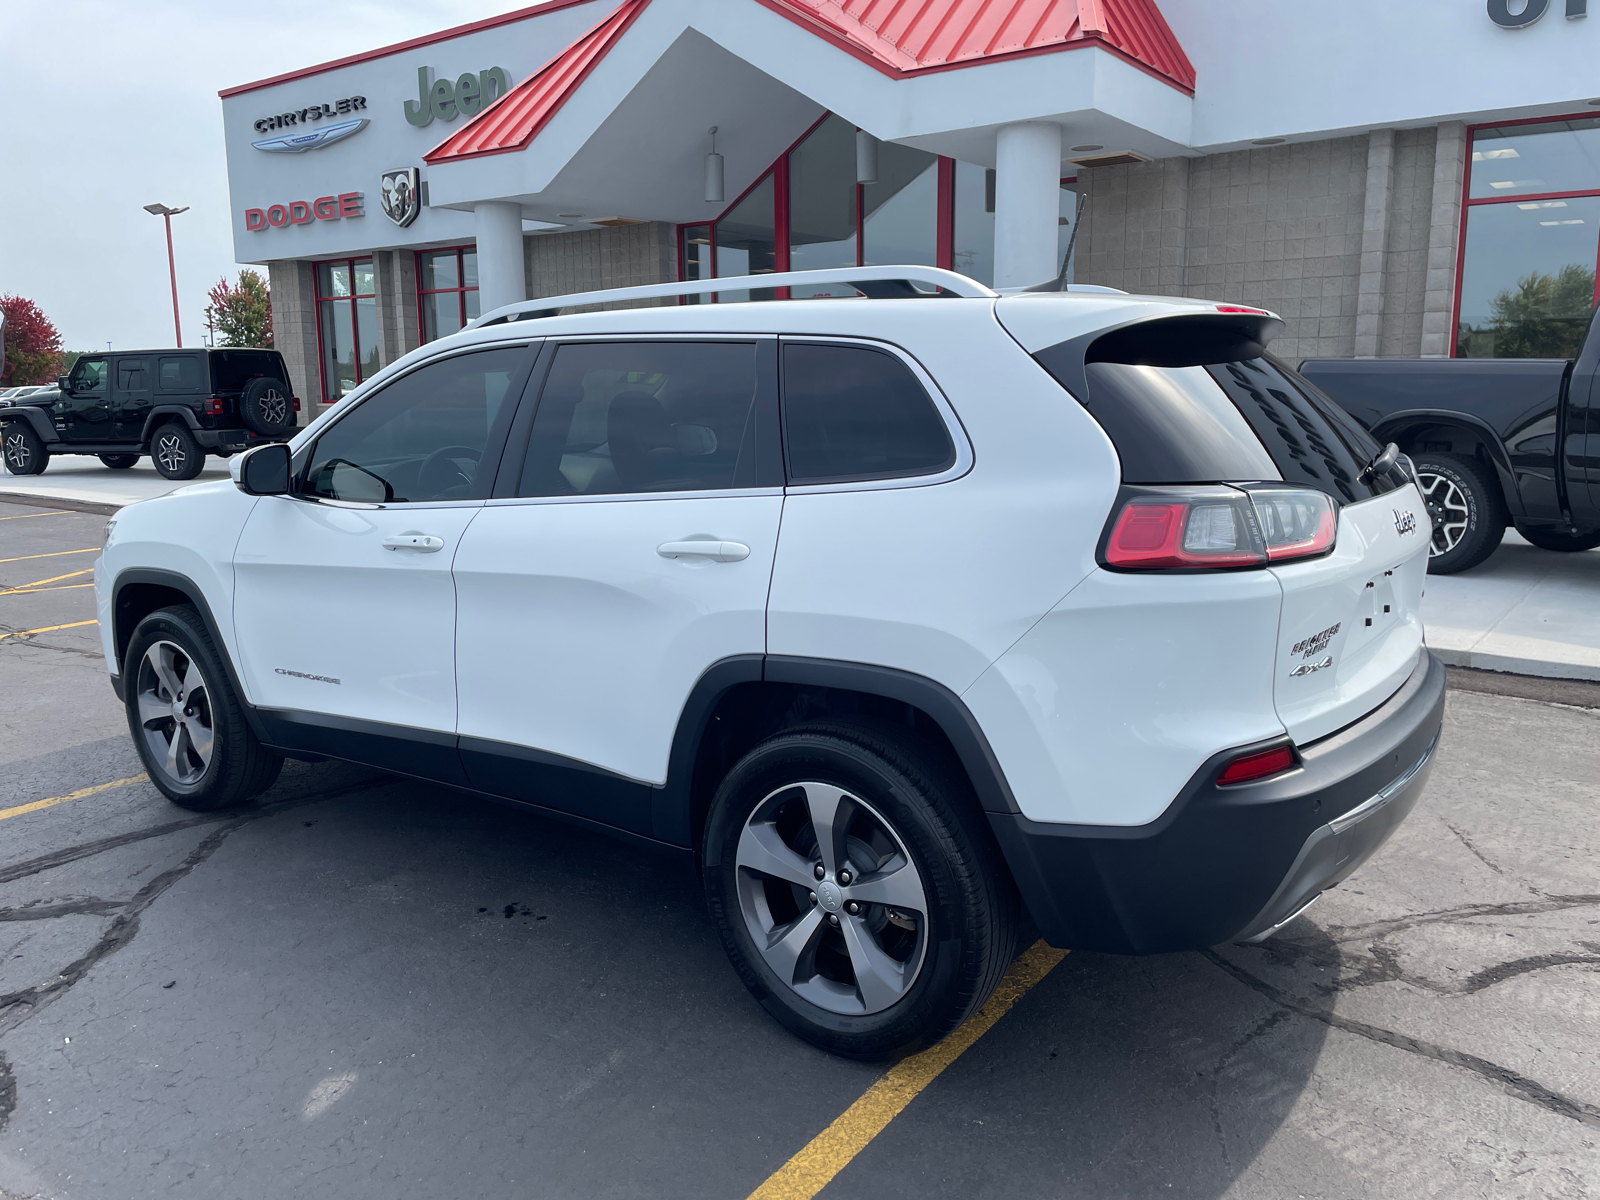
402 199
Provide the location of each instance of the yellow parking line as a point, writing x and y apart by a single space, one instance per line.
28 591
46 629
77 795
28 516
811 1170
52 554
52 579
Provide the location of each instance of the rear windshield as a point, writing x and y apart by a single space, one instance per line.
232 369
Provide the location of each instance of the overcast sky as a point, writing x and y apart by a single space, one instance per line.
112 105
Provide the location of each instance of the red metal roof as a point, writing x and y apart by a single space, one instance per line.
907 36
899 37
512 121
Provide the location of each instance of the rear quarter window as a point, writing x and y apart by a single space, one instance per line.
179 374
854 412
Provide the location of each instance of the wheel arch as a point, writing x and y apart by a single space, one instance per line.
741 701
161 414
1416 431
140 591
36 419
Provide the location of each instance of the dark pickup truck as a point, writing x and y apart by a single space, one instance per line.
1496 442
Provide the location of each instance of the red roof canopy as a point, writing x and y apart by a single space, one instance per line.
899 37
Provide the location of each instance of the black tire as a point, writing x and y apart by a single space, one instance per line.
238 766
175 452
267 407
24 451
119 462
893 784
1466 508
1546 538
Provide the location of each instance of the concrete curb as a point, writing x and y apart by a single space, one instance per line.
1508 665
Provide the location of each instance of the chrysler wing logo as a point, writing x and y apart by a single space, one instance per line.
1404 522
299 143
401 200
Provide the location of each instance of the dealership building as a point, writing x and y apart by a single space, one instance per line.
1393 177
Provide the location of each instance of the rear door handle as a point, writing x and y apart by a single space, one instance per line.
422 543
716 551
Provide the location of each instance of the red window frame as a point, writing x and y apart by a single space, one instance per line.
355 325
1468 203
944 217
462 290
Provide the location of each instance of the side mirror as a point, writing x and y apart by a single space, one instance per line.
61 382
264 470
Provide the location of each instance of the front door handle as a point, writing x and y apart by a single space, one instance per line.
716 551
422 543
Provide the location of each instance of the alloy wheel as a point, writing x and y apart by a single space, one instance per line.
1447 509
175 713
274 408
831 898
18 455
169 451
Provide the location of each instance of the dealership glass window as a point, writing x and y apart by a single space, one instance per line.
822 203
694 252
1532 240
900 212
973 251
347 324
747 241
447 290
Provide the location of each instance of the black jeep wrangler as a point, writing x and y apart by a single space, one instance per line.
177 406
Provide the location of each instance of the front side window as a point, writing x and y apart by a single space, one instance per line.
447 290
422 437
88 375
854 412
618 417
347 324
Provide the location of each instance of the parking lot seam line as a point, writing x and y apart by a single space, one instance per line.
52 554
26 591
1505 1078
46 629
29 516
814 1167
53 579
36 805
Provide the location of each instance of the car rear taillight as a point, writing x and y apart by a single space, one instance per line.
1217 528
216 406
297 404
1248 768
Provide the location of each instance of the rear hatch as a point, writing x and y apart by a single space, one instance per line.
1191 400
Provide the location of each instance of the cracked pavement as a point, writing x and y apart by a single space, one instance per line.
362 985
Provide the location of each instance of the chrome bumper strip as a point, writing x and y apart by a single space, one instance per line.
1371 805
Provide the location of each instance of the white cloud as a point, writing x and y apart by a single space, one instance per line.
112 106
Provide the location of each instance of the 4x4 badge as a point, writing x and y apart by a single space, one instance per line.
1308 668
1404 522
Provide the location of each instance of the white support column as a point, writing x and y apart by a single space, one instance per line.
502 279
1027 199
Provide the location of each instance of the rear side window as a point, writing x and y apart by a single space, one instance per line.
133 374
1311 439
854 412
232 369
1174 425
619 417
180 374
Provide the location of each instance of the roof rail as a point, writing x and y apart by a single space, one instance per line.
876 282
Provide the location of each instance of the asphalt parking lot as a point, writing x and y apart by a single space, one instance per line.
364 986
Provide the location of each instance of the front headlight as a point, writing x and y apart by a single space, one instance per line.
105 538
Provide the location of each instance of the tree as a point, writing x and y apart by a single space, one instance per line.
1543 316
242 314
33 345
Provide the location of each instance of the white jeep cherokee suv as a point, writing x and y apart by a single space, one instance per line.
900 614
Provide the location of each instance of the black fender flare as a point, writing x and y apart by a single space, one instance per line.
180 583
162 413
672 805
1499 457
36 417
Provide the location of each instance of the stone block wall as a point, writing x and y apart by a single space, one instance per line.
591 259
294 329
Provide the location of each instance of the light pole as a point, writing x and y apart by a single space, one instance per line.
166 214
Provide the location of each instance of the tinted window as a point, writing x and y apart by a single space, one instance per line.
1309 437
420 438
232 369
133 374
852 412
88 375
1173 425
644 417
180 374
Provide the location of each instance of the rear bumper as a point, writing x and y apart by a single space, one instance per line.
231 440
1234 863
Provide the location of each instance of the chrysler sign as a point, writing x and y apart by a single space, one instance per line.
1529 11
